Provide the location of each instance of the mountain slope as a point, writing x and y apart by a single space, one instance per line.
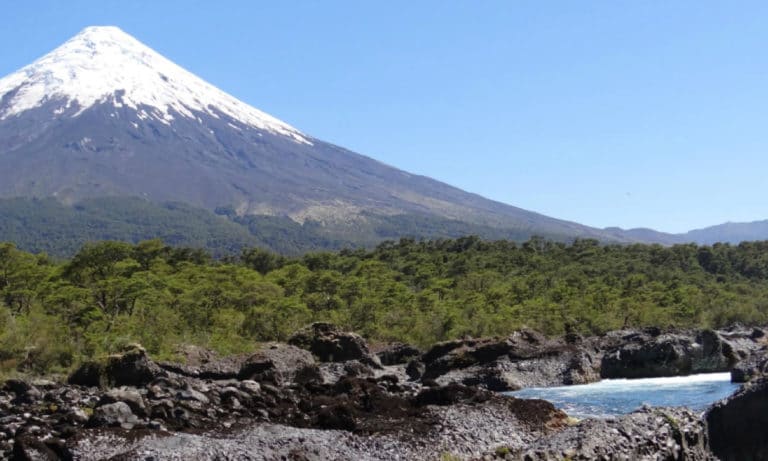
728 233
60 230
104 115
45 225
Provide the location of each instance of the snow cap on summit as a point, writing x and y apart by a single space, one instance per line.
100 61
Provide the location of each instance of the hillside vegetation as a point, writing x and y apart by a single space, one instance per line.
54 314
46 225
60 230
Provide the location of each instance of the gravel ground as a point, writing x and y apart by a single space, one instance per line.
462 430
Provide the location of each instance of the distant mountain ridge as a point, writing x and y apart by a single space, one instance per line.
105 116
729 232
46 225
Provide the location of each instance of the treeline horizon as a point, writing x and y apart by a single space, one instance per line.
57 313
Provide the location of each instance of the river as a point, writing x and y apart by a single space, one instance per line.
611 397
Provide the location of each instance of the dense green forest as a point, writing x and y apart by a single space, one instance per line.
56 313
46 225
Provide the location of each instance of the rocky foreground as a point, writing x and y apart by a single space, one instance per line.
327 395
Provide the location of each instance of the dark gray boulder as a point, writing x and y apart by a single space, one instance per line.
415 369
714 353
641 355
749 369
491 377
737 425
452 355
523 359
131 367
29 448
17 386
332 372
278 364
127 395
116 414
582 368
330 344
667 355
451 394
199 362
397 354
25 392
744 341
89 374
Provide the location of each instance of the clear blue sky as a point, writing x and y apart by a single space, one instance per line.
628 113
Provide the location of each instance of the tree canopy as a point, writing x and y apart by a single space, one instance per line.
54 314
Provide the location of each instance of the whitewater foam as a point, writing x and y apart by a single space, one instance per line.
611 397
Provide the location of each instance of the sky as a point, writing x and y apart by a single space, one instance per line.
607 113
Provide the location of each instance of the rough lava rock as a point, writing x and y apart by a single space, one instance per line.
398 354
88 374
523 359
415 369
330 344
131 367
128 395
116 414
647 434
644 355
737 425
283 404
277 364
203 363
751 368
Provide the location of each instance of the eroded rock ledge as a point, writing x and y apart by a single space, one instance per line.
328 395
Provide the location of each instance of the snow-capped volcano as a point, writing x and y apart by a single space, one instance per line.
104 115
104 64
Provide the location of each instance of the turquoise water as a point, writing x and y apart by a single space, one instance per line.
611 397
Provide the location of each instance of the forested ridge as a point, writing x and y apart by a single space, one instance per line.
60 230
56 313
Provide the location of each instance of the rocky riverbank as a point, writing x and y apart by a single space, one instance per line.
326 395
